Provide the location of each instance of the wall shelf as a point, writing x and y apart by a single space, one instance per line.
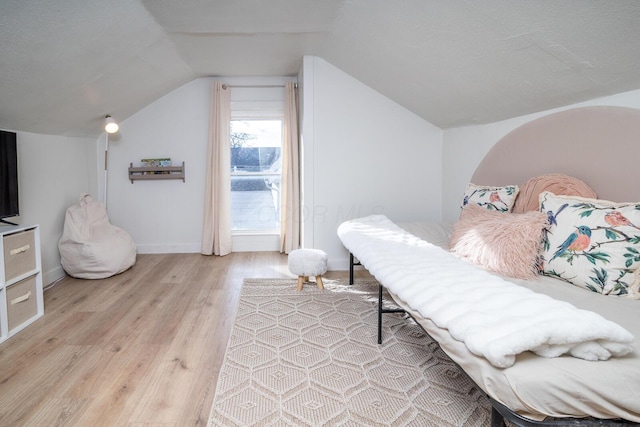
156 172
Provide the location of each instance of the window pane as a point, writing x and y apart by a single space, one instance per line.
255 174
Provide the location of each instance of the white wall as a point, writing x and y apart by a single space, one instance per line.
166 216
53 172
363 154
355 145
162 216
464 148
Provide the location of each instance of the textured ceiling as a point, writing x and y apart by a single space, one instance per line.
64 64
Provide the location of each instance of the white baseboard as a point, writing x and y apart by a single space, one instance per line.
50 276
338 265
341 264
180 248
240 244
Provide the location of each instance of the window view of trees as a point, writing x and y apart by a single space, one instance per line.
255 174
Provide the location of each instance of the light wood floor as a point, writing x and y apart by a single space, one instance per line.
140 348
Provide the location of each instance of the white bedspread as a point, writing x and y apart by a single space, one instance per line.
495 319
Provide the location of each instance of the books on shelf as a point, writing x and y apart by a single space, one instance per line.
154 163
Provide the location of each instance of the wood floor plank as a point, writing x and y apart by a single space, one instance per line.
118 382
27 388
142 348
58 412
180 368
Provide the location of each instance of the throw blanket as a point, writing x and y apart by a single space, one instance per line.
495 319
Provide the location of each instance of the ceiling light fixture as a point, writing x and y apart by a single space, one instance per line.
110 125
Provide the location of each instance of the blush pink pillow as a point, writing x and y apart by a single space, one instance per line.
529 195
505 243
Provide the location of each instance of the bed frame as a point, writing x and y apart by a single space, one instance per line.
564 143
499 412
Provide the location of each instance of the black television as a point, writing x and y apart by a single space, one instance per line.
9 206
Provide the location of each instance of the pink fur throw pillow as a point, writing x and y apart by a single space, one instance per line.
505 243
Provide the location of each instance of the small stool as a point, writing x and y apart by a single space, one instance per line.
308 262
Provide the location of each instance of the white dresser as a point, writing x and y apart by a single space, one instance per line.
21 297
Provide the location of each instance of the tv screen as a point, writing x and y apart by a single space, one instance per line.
9 206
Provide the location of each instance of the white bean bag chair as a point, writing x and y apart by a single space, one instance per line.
90 246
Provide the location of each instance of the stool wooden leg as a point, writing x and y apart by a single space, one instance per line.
319 281
300 282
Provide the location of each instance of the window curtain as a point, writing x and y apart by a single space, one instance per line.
216 234
290 187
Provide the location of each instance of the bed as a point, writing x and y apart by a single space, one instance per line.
532 389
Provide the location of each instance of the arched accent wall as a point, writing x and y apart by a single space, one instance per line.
599 145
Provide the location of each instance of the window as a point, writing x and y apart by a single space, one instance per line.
255 174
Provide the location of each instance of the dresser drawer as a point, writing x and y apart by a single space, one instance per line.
19 254
21 302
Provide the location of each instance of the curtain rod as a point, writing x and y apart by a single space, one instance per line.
225 86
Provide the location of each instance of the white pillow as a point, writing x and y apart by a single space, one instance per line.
500 199
592 243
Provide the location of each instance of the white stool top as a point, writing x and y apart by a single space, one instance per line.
308 262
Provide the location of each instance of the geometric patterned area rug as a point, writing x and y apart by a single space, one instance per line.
311 358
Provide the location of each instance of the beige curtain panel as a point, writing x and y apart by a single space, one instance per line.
290 183
216 234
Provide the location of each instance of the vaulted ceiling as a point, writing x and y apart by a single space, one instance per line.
64 64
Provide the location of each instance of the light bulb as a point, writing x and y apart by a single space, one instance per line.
110 125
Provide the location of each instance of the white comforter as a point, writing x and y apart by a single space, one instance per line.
494 318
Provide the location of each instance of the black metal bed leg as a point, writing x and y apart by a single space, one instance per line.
497 420
383 310
351 264
379 314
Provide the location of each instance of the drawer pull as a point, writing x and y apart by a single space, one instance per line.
21 298
21 249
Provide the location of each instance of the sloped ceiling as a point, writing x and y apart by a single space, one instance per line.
64 64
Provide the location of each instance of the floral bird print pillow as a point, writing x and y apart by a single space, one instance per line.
499 199
592 243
